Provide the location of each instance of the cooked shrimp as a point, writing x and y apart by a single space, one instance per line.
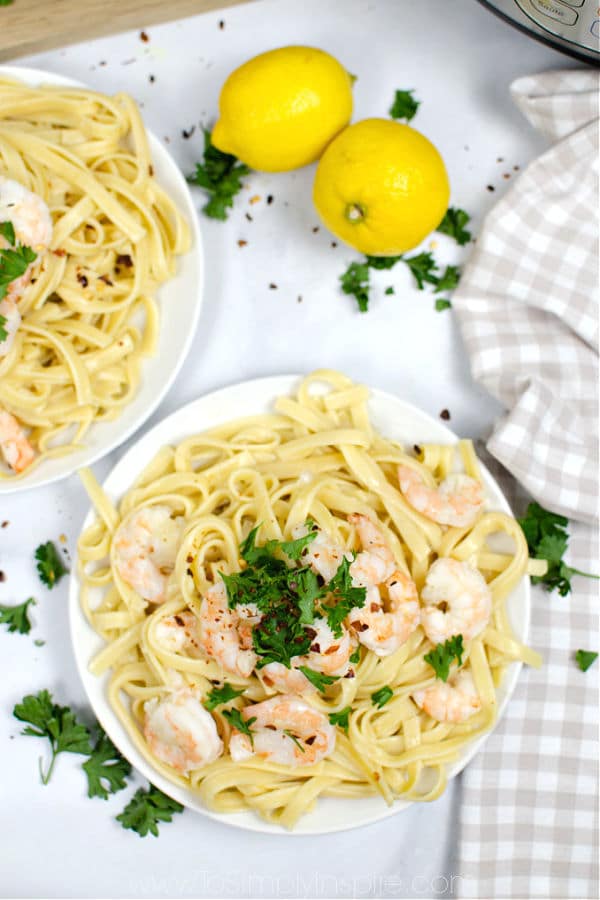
180 633
452 701
457 601
383 624
328 654
27 212
181 732
284 730
10 321
16 449
456 501
322 554
145 548
221 636
31 221
375 563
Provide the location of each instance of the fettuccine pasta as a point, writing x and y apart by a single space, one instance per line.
316 459
88 316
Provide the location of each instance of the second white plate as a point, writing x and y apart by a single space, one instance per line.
179 302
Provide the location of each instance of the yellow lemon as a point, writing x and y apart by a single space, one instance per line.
280 109
381 186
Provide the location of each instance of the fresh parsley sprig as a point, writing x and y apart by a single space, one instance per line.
58 724
382 696
453 224
355 283
50 565
221 695
585 659
547 538
146 809
220 175
14 261
341 718
404 106
16 617
236 719
106 769
442 655
320 681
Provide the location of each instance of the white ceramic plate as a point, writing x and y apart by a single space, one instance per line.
182 293
390 416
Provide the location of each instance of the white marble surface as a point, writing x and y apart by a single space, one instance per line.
461 60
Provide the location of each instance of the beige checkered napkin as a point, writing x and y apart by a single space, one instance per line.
528 310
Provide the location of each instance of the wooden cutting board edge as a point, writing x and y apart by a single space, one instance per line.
30 26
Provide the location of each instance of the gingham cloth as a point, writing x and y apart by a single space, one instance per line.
527 306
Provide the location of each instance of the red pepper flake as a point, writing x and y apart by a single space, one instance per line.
417 449
150 171
124 259
144 37
5 524
105 279
273 286
186 134
445 415
270 199
60 252
506 175
242 243
82 279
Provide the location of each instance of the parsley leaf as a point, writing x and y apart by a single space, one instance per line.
106 770
294 549
345 595
305 584
320 681
280 635
3 331
14 263
547 538
585 658
341 718
442 655
56 723
355 658
234 716
16 617
389 290
50 566
404 106
453 224
7 231
448 279
146 809
220 174
219 695
382 263
423 267
382 696
441 304
293 738
355 281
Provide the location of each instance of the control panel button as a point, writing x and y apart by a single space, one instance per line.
553 10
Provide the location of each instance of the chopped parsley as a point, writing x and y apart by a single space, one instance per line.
382 263
404 106
16 617
234 717
7 231
341 718
548 539
293 738
355 658
146 809
220 175
219 695
440 658
50 565
3 331
106 770
423 267
289 595
58 724
442 304
355 281
453 224
319 680
585 659
382 696
448 280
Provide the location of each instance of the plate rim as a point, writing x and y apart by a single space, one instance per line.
77 619
31 75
